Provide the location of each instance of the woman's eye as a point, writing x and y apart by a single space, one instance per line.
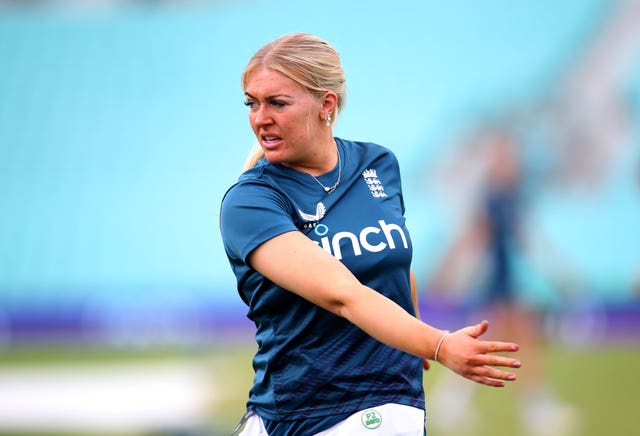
249 104
276 103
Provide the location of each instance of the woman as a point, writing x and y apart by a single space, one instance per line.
315 233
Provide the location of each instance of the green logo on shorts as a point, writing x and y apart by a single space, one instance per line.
371 419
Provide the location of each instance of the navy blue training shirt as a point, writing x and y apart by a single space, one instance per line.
310 363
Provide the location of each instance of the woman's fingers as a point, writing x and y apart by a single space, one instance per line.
490 376
499 347
480 362
487 371
476 330
425 364
494 360
487 381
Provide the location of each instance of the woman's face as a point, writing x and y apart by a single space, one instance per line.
285 117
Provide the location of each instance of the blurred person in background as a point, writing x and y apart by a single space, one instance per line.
497 242
577 141
315 233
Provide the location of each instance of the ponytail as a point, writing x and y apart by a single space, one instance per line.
254 156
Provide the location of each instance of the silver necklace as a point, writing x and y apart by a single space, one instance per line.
330 189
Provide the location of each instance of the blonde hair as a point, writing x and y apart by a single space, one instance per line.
306 59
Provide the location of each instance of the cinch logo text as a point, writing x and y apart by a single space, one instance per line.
369 239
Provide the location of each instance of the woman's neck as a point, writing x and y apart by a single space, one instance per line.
320 161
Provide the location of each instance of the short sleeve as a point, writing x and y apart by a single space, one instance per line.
252 213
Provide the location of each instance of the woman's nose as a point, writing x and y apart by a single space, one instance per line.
262 116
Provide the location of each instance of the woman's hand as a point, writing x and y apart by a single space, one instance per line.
465 354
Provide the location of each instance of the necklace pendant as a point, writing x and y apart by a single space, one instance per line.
330 189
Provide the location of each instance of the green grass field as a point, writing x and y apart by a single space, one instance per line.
602 382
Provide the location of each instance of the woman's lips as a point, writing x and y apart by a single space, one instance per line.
271 141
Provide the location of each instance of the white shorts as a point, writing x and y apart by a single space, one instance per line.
386 420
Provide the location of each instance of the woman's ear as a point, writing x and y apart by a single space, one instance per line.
329 103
